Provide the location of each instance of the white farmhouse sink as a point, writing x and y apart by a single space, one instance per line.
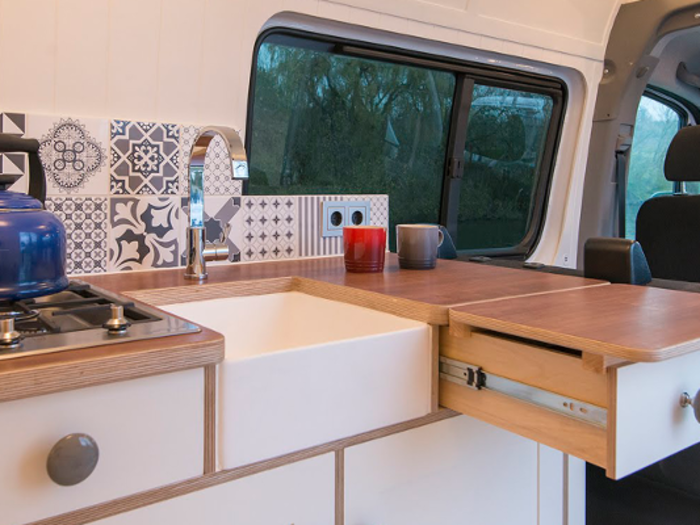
301 371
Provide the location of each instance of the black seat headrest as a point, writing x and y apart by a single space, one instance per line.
683 156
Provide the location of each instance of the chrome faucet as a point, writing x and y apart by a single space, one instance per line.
198 249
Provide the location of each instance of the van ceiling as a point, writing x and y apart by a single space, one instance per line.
683 46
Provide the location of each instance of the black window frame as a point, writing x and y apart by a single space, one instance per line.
467 73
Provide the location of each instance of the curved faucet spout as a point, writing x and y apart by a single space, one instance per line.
198 250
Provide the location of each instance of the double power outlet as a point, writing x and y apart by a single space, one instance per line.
336 214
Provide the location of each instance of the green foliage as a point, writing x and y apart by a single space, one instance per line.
325 123
505 139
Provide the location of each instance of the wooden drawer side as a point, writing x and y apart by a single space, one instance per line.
527 363
583 440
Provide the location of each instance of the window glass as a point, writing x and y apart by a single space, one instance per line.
655 126
328 123
506 136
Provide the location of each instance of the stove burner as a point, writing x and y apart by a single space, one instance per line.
80 316
17 314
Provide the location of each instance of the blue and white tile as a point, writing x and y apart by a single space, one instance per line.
73 153
270 228
85 219
14 163
145 233
312 243
218 176
144 158
223 218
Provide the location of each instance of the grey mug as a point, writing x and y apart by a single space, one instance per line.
417 245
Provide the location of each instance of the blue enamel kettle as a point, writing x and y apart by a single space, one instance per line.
32 240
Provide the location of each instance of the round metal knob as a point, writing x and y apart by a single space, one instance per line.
687 401
117 323
72 459
9 337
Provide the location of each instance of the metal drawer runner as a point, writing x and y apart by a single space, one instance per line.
476 378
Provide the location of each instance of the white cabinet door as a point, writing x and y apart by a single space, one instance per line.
455 472
149 431
298 494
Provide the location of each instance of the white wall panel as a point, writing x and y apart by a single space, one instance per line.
179 60
28 55
82 41
134 34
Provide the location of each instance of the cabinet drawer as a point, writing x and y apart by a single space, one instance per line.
301 493
150 432
641 420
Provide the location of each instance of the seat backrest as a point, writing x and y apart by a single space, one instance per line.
668 226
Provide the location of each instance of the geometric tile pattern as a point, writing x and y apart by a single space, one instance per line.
14 163
222 219
145 158
218 177
70 155
312 243
269 228
145 233
85 219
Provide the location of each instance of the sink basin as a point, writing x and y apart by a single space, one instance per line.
300 371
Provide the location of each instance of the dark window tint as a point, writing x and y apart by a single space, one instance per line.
328 123
506 137
655 126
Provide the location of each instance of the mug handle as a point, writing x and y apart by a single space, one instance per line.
441 237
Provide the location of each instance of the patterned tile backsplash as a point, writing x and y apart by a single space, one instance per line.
120 188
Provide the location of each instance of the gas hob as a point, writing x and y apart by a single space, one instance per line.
78 317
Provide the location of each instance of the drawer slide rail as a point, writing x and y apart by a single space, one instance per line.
476 378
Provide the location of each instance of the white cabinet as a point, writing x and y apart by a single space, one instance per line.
150 432
302 493
455 472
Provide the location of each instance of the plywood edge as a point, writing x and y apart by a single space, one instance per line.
108 364
582 440
611 470
599 363
208 291
340 487
593 284
434 368
418 311
582 344
210 390
181 488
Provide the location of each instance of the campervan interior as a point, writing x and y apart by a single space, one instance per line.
209 313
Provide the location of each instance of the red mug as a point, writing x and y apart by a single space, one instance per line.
365 248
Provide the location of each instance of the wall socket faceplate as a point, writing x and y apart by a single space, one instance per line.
336 214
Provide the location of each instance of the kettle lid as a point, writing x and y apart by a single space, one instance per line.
11 200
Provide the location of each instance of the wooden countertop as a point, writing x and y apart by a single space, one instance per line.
419 294
633 323
54 372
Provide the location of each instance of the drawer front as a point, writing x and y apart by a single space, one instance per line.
645 420
648 422
301 493
150 432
